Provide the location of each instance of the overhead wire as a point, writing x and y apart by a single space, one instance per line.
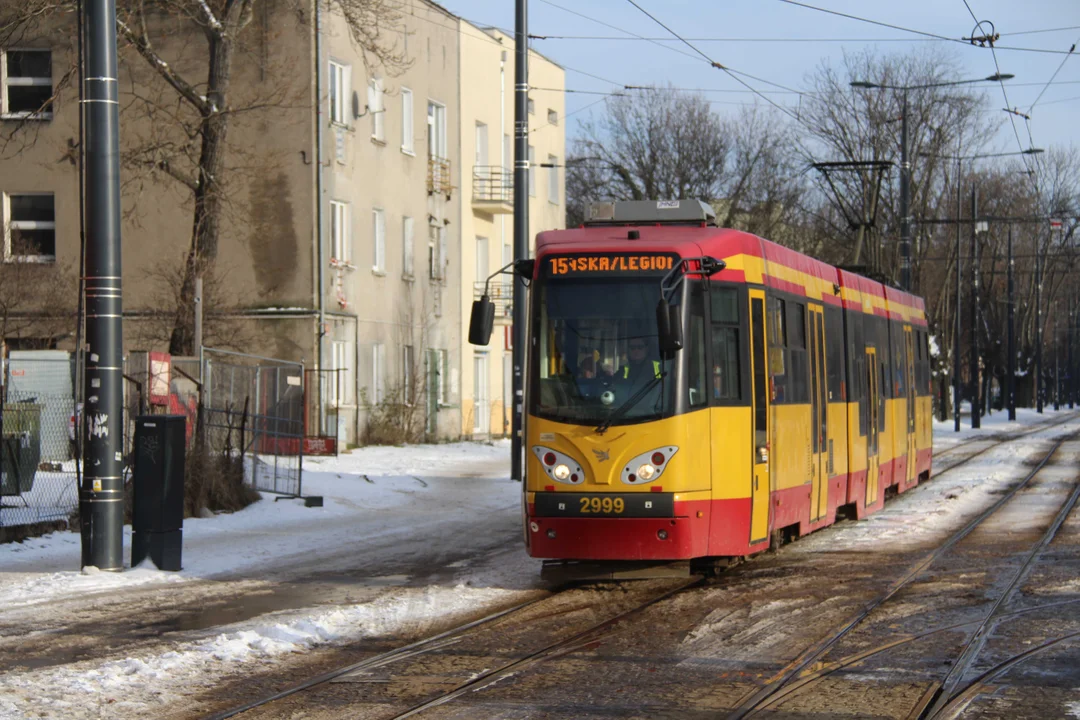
1051 80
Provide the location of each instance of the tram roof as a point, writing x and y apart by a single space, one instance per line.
749 259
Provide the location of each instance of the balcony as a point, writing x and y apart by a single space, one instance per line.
438 176
493 189
501 294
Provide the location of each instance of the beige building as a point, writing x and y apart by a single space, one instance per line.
364 263
486 200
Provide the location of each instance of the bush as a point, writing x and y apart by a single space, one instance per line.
393 421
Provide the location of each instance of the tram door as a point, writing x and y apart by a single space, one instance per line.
819 464
909 379
873 407
759 393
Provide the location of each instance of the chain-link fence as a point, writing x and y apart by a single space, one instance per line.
39 475
254 407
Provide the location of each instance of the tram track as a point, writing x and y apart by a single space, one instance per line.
542 649
810 668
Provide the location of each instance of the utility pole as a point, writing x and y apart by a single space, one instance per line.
956 330
905 201
521 225
1010 376
101 496
1038 329
1057 373
976 417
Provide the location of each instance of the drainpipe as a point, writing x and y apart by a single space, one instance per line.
320 261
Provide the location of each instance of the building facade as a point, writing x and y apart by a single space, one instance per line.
350 207
487 203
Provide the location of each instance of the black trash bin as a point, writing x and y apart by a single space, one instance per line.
157 522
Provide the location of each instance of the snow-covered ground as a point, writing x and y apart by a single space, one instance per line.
385 508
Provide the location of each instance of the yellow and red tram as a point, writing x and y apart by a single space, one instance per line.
790 390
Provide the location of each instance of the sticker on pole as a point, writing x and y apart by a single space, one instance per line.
97 485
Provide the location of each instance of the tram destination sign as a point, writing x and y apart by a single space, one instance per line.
607 263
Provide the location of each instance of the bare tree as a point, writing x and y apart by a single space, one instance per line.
35 297
180 58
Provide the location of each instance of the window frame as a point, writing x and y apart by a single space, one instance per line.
378 373
742 349
378 235
553 116
7 82
340 232
408 353
9 225
408 122
338 92
408 227
377 109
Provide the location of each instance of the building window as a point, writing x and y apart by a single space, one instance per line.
443 374
481 144
378 373
379 231
436 129
406 121
553 117
26 76
532 171
532 107
342 391
553 179
481 259
375 108
340 241
408 392
340 86
29 227
407 247
436 251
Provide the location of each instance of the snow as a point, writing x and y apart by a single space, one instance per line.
379 502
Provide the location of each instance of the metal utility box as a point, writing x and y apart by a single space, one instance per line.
158 496
20 447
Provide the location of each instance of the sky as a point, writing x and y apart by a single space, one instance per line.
790 41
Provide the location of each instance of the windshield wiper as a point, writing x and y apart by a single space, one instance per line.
630 403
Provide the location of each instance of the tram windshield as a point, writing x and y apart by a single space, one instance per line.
595 356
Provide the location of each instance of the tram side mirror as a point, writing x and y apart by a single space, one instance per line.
525 268
481 321
668 328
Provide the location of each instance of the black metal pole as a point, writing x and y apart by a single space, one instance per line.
905 201
1010 371
1057 372
77 416
976 415
521 225
1038 330
101 496
956 330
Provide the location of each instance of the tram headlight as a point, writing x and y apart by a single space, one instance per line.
561 472
558 466
648 466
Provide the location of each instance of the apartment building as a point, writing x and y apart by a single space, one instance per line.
351 238
486 200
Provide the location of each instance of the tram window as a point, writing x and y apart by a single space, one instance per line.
797 327
725 305
725 358
777 337
834 354
696 382
761 406
899 359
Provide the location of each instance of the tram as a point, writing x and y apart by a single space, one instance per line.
700 392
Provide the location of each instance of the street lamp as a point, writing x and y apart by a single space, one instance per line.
905 165
1010 392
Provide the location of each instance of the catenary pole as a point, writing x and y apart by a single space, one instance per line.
521 225
1038 330
956 330
976 416
1010 372
101 496
905 201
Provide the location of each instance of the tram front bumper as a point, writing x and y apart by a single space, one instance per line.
672 538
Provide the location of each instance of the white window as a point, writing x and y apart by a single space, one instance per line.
375 108
378 373
436 129
532 171
26 82
436 251
481 259
342 385
408 375
481 144
443 377
553 179
508 155
29 227
481 410
406 121
340 89
378 221
407 247
553 117
340 231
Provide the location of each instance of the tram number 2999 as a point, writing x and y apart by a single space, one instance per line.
549 504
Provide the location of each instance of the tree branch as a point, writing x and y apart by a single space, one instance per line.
142 45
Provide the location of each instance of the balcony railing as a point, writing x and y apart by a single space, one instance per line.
493 188
501 294
438 176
